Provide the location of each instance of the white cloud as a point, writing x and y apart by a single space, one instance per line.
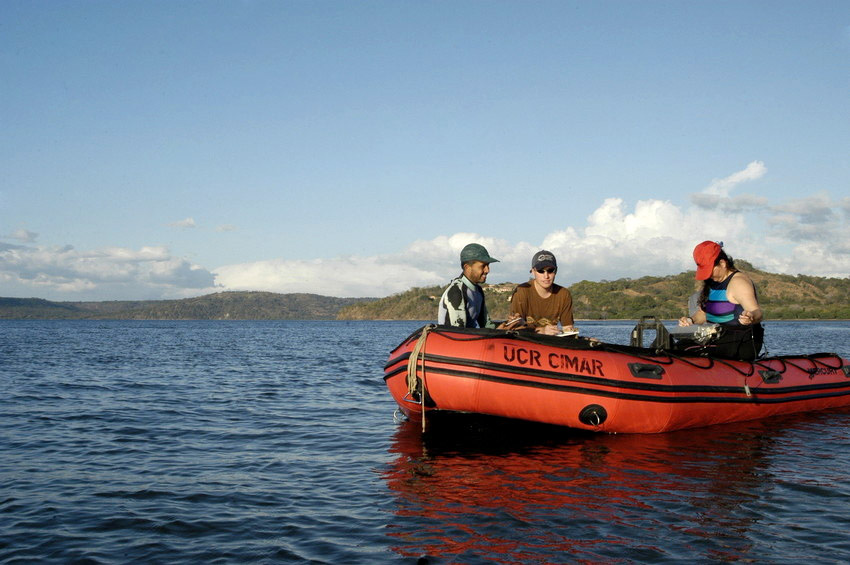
653 237
616 243
185 223
818 230
24 236
444 251
721 187
108 273
817 210
656 238
716 195
340 276
225 228
740 203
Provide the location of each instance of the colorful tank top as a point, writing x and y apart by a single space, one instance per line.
718 309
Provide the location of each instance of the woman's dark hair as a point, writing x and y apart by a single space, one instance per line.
730 264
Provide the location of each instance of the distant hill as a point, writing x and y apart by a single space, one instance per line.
781 296
218 306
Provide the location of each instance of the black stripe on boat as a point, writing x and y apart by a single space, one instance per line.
806 392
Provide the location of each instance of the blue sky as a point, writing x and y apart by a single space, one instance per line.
172 149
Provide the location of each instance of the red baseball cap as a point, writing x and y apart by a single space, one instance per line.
705 254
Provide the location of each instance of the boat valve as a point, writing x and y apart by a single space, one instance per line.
593 415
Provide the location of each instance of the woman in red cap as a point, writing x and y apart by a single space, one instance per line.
728 298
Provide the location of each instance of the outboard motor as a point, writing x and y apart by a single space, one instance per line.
651 323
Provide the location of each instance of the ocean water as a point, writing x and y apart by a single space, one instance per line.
277 442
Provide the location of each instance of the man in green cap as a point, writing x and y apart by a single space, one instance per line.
462 304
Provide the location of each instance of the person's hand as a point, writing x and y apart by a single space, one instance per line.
513 321
686 321
549 329
746 318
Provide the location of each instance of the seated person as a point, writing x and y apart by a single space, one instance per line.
462 304
541 303
728 298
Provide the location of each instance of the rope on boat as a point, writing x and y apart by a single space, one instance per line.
813 360
412 364
448 335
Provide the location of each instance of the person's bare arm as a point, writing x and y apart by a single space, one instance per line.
697 317
742 291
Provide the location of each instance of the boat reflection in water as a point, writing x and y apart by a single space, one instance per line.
478 489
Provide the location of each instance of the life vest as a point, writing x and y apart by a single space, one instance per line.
718 309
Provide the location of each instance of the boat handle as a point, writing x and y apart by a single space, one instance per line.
646 370
770 377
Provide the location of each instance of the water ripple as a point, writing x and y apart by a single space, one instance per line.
223 442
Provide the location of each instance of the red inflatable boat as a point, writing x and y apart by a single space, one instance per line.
591 385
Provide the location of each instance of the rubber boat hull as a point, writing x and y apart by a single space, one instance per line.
588 385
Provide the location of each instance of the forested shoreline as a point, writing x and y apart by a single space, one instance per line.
783 297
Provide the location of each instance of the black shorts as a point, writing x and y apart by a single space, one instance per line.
738 342
732 342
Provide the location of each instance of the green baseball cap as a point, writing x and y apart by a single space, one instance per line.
475 252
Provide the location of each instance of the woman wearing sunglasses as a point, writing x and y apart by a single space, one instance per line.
540 302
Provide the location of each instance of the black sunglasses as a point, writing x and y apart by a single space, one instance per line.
546 270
